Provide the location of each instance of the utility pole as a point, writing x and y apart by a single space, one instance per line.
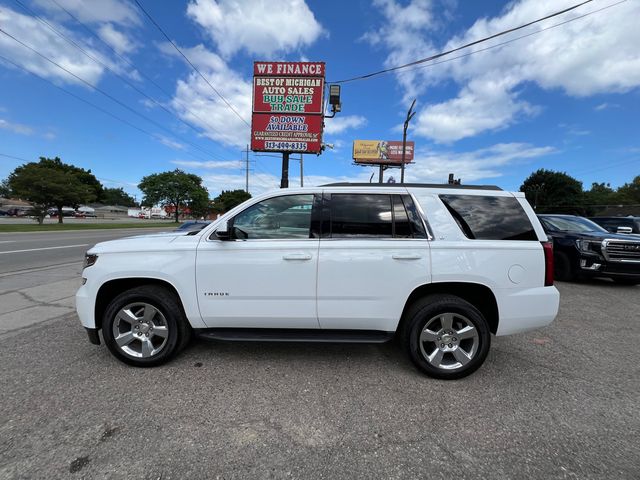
284 181
380 173
247 169
301 171
410 115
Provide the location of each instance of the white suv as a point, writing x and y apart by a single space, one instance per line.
439 266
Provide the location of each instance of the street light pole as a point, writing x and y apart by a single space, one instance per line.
410 115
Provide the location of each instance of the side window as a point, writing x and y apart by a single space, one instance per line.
361 215
490 218
417 225
285 217
401 225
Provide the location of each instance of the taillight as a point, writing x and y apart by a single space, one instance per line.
548 263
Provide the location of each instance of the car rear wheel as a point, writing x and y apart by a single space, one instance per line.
145 326
446 337
562 270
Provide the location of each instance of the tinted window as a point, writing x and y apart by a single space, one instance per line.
401 225
490 218
283 217
570 224
417 226
361 216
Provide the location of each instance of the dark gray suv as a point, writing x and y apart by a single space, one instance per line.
619 224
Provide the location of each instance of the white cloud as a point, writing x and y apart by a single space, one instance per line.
166 141
15 127
28 30
257 26
339 124
210 165
486 163
114 11
466 115
264 182
429 167
116 39
258 182
605 106
581 58
404 32
199 105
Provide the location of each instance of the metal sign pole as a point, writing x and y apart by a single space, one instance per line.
284 181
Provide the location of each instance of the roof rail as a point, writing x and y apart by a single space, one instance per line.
424 185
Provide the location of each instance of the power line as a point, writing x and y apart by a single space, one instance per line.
442 54
516 38
14 157
109 96
104 65
108 180
192 65
124 59
93 105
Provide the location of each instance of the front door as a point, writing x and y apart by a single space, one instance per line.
265 275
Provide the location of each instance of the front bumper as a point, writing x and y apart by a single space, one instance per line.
85 307
596 266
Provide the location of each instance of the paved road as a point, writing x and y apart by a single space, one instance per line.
20 251
560 403
40 272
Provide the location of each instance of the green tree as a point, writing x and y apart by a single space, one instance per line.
84 176
229 199
629 193
553 192
176 188
47 186
116 196
5 191
598 195
200 204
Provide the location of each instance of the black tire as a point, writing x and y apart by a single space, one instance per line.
562 269
627 281
168 314
424 312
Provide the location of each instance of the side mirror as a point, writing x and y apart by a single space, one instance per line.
223 232
624 230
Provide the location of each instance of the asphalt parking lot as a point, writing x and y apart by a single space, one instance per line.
561 402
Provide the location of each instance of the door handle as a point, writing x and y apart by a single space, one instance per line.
297 256
408 256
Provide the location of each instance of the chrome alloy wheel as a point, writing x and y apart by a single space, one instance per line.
140 330
449 341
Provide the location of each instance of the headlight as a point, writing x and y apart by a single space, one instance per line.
89 259
589 246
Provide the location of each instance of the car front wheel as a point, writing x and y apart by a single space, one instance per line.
446 336
145 326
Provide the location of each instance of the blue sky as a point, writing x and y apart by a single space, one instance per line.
566 98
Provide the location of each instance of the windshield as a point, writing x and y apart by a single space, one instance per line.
571 224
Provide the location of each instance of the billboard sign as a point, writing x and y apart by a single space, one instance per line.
386 152
287 106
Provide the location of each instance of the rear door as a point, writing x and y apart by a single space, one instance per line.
373 252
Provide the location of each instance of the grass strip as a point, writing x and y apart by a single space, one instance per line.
57 227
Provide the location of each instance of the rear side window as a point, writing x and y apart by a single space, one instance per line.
490 218
361 216
374 215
